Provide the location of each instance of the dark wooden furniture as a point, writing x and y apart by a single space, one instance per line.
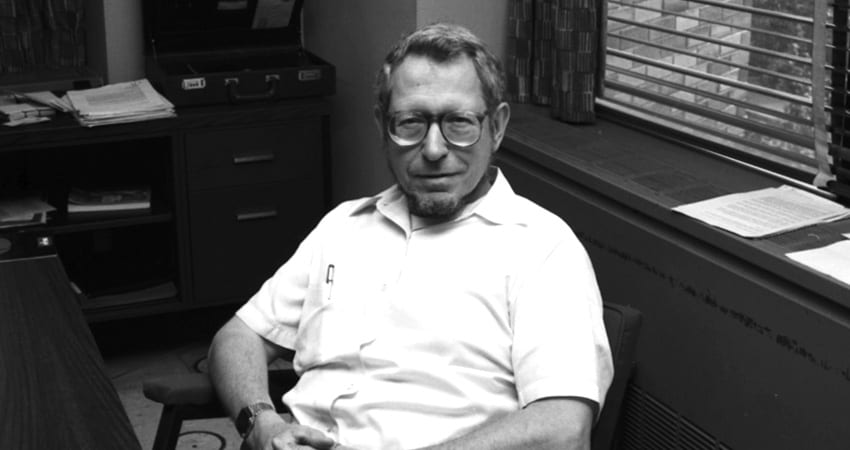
191 396
53 387
234 190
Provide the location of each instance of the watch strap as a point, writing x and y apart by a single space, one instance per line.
247 415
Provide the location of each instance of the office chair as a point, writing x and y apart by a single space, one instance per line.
191 396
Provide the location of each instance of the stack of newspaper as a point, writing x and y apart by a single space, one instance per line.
130 101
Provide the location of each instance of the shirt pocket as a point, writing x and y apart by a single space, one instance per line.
333 323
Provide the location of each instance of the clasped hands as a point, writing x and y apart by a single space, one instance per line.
272 432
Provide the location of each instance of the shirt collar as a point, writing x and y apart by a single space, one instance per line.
500 205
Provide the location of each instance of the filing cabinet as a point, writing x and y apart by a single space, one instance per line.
253 194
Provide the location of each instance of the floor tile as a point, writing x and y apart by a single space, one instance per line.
138 350
128 372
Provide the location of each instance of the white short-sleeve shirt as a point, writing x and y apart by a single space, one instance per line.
410 337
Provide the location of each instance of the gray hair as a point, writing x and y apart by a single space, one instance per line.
442 42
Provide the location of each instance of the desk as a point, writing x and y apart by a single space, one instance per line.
54 390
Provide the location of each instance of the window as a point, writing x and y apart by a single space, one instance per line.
766 79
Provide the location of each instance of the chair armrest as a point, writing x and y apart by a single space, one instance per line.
622 324
180 389
197 389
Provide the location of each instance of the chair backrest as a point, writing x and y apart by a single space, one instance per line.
622 324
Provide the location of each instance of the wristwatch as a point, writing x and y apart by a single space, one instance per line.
247 415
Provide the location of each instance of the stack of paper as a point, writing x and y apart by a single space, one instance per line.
14 114
131 101
833 259
765 212
47 98
23 211
22 108
103 200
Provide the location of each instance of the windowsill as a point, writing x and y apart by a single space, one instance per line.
650 176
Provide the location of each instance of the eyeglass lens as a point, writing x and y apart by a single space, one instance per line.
460 128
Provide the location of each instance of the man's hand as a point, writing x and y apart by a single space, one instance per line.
271 432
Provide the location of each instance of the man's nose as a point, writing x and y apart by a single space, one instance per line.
435 146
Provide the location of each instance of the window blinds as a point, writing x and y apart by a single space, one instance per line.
837 98
763 77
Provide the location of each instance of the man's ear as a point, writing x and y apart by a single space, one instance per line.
500 117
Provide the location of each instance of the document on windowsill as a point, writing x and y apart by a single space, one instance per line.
765 212
832 260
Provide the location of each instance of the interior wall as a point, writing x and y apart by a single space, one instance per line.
486 18
116 39
354 37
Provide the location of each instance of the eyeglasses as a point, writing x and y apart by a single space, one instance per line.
459 128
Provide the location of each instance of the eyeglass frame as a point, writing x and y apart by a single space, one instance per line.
438 119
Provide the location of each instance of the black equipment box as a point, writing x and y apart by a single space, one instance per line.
204 52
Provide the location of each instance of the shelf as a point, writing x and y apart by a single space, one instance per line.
64 129
155 293
62 224
73 224
116 266
170 257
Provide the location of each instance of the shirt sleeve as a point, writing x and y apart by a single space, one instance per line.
560 348
274 311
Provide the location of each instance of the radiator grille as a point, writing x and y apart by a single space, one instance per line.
648 424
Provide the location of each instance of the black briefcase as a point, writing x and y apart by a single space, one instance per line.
206 52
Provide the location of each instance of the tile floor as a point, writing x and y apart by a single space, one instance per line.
139 349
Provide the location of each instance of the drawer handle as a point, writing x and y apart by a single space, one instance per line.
256 215
248 159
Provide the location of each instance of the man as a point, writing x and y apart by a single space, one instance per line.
446 312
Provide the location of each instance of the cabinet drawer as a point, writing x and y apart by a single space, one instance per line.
233 157
241 235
